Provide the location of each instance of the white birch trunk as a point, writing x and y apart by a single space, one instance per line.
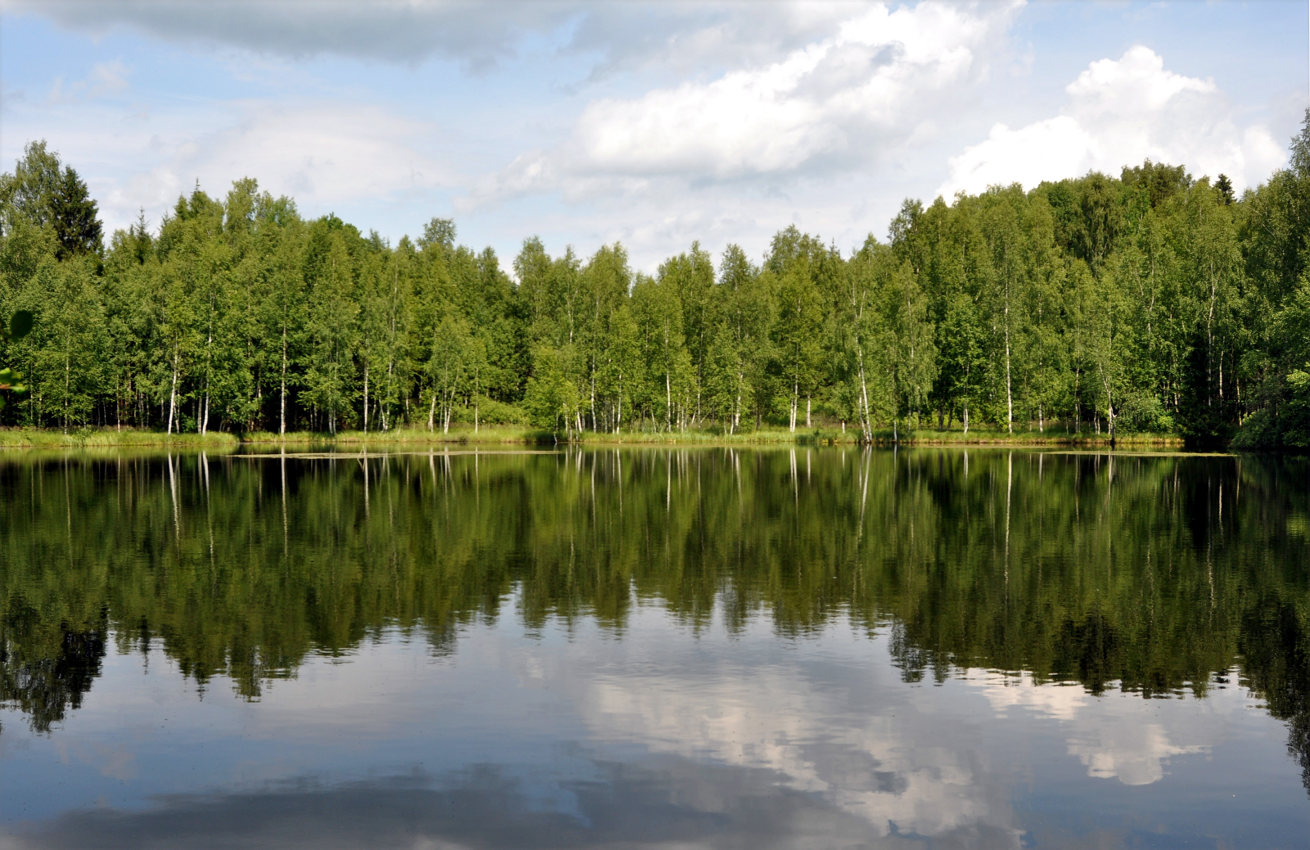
172 395
282 403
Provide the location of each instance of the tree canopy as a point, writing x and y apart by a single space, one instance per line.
1151 301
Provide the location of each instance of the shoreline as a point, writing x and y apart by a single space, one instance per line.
32 439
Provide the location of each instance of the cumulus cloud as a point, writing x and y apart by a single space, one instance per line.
828 104
322 154
386 30
651 122
1019 691
322 151
814 744
701 38
1134 753
677 37
1106 734
1120 112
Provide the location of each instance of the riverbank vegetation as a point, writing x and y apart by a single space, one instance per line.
103 438
408 437
1154 302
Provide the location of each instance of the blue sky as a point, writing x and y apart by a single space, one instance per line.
653 124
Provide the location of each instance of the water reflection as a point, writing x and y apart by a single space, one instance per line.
485 808
640 741
790 648
1143 573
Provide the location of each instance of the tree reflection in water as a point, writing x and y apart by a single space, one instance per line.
1156 575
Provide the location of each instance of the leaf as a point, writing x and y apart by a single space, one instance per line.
20 324
11 381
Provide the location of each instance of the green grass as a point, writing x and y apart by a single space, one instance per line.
463 435
34 438
829 435
108 438
713 436
999 437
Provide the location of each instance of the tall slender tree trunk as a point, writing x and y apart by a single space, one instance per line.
209 369
736 407
1109 406
387 390
1209 342
668 402
172 395
1009 398
366 397
282 400
795 405
67 379
866 419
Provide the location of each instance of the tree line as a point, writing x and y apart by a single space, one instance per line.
1151 301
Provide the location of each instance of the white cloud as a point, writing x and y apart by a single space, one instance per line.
1137 83
400 31
695 38
653 123
1106 734
1004 692
1132 752
321 153
647 35
324 155
895 758
1121 112
831 103
876 766
1047 150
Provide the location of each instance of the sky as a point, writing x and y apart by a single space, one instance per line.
654 124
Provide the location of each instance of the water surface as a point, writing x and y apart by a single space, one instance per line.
708 648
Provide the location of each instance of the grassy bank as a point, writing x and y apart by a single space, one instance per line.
925 437
984 437
514 435
109 438
401 437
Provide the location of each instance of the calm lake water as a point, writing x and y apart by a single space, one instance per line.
709 648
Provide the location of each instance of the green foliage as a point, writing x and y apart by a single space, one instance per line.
42 193
1095 305
20 325
552 397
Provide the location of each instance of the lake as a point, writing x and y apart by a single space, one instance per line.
810 648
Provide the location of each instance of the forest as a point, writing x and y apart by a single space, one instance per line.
1151 302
